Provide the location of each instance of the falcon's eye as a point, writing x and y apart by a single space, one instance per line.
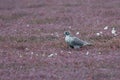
67 33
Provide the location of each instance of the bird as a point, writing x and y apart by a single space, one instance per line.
74 42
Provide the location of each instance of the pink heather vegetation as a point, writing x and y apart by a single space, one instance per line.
32 43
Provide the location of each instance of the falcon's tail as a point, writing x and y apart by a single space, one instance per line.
87 44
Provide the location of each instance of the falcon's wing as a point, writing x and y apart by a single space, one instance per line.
77 41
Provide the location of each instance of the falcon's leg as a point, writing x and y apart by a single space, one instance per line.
71 46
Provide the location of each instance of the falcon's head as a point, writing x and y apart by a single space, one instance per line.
66 33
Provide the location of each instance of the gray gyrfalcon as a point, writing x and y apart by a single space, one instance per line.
73 41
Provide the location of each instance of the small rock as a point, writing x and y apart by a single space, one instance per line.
27 49
98 34
28 25
61 51
101 32
77 33
15 30
27 53
37 55
20 66
99 53
106 27
21 56
43 54
51 55
31 57
56 34
32 53
87 53
69 52
52 34
113 31
55 53
69 27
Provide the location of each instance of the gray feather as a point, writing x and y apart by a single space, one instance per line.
77 41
